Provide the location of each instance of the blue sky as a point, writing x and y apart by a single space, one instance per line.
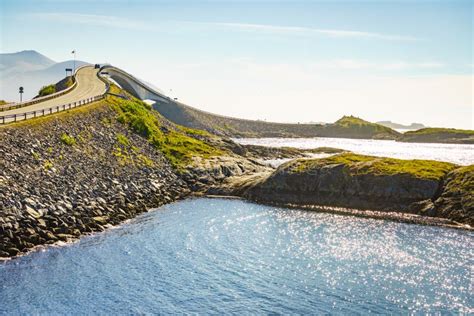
276 60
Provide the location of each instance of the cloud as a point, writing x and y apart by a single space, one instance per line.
310 31
91 19
126 23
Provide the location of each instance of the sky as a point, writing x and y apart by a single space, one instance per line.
285 61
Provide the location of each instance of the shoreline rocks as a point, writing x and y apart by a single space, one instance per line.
52 191
427 188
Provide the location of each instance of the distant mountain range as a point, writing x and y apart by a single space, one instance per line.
30 70
393 125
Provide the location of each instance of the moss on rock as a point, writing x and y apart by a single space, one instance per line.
360 164
355 181
457 197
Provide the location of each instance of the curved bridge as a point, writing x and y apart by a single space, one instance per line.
134 86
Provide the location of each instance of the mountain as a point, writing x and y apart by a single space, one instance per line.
393 125
24 61
30 70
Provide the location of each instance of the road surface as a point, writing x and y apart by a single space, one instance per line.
88 85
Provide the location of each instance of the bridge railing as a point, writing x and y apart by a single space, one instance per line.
12 106
43 112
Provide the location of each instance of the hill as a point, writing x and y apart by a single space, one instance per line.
354 127
439 135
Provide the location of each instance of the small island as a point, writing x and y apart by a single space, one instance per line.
439 135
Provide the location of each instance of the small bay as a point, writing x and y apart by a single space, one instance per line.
231 256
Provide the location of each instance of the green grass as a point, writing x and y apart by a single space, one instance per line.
122 139
177 146
360 164
462 184
195 132
2 102
47 90
68 140
464 178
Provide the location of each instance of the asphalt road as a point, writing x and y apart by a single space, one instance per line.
88 85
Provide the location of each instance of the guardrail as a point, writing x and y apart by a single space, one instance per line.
13 106
43 112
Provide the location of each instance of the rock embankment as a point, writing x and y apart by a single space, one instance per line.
73 174
429 188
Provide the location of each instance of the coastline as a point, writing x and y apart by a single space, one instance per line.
80 172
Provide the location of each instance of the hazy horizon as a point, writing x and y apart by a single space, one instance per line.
280 61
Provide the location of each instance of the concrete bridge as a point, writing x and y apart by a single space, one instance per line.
134 86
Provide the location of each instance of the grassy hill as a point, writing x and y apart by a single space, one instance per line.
439 135
354 127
